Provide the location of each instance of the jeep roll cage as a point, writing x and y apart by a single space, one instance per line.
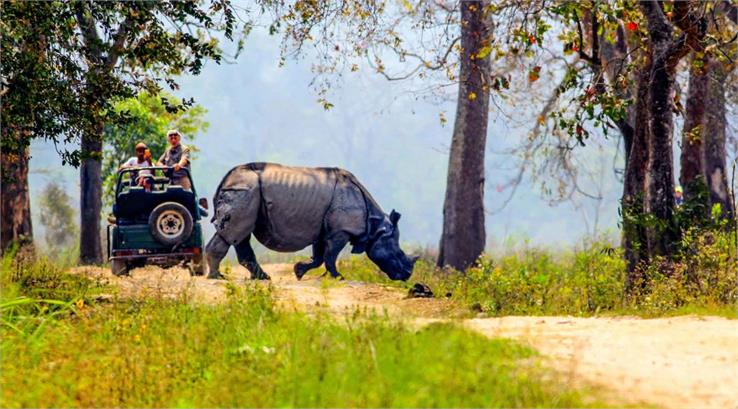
166 179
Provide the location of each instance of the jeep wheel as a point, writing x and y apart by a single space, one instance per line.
170 223
119 267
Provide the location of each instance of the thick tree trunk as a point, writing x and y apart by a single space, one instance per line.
15 226
693 134
90 246
463 238
714 146
665 51
90 170
660 181
632 205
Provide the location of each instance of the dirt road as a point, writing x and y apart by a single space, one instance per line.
682 362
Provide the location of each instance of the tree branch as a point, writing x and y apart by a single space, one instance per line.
582 54
118 43
660 28
89 33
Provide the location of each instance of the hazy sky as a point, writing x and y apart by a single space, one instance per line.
392 142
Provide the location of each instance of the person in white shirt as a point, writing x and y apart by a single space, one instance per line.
142 159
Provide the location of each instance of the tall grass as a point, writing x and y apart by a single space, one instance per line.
245 353
36 293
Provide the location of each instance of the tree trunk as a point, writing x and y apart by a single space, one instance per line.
693 134
15 226
660 181
632 205
90 247
715 133
665 51
463 237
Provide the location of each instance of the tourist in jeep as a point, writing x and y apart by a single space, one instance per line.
142 159
177 157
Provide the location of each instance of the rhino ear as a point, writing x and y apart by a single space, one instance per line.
394 217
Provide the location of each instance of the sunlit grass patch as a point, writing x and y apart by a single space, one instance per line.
245 353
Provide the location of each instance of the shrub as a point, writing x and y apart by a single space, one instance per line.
538 282
584 281
705 276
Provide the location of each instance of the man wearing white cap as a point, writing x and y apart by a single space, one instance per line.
177 157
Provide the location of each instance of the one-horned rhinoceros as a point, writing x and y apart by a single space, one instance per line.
289 208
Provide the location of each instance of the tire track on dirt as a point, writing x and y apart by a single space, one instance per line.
677 362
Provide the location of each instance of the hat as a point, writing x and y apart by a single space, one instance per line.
678 189
141 145
173 132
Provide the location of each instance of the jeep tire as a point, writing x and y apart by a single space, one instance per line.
170 223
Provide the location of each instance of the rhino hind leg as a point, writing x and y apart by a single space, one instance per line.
247 258
333 246
215 251
304 266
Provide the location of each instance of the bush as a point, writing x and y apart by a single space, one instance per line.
535 281
704 277
585 281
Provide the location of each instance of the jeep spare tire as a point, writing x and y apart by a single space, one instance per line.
170 223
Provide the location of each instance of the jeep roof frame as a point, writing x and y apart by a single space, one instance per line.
125 170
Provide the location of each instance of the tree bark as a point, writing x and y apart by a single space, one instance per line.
715 155
90 171
660 183
463 237
16 224
665 52
634 193
691 159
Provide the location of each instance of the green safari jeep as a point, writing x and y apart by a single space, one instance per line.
154 222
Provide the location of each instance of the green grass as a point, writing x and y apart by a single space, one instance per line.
246 353
61 348
35 294
586 281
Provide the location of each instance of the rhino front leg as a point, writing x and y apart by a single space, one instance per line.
247 258
304 266
215 251
333 246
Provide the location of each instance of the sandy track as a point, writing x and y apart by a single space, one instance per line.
681 362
